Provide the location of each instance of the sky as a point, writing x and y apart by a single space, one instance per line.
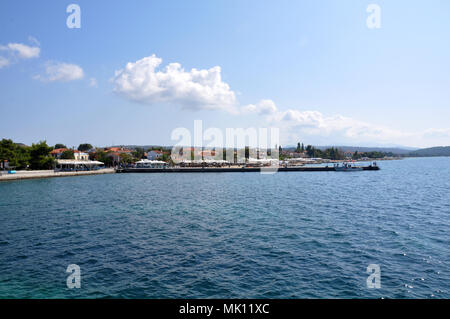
134 71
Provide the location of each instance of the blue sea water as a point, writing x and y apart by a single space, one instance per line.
227 235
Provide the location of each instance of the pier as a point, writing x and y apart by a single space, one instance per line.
235 169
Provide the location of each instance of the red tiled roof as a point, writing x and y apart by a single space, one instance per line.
59 150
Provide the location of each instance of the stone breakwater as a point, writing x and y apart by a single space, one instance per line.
4 176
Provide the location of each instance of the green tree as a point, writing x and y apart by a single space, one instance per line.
23 156
126 158
165 157
247 152
139 153
17 156
310 151
101 156
299 148
69 154
59 145
7 150
39 156
84 147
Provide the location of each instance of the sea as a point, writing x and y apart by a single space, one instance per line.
366 234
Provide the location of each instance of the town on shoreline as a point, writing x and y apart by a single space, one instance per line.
41 156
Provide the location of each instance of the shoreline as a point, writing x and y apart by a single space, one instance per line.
21 175
238 170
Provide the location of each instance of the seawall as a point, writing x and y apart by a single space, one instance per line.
4 176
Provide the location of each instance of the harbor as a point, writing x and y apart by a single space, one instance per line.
23 175
244 169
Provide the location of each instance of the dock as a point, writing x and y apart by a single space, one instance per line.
234 169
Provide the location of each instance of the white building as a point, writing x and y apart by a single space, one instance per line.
81 156
145 163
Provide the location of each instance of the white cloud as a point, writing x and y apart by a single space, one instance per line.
93 82
22 51
195 89
17 51
313 126
141 81
61 72
3 62
262 107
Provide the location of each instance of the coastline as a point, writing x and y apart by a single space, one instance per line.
21 175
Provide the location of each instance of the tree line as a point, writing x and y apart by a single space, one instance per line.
36 156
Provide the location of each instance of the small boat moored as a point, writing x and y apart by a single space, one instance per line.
348 167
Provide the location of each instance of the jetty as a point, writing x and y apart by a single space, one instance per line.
242 169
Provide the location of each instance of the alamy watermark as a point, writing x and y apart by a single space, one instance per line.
235 146
374 279
374 19
74 19
74 279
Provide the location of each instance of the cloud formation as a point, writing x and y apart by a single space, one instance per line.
319 129
314 123
93 82
61 72
141 81
3 62
262 107
17 51
23 51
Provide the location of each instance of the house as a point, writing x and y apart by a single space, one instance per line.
118 150
154 155
80 156
115 152
57 152
115 156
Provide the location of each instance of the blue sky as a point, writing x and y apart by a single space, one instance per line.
312 68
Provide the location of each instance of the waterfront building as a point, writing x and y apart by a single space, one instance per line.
146 163
80 156
64 165
57 152
154 155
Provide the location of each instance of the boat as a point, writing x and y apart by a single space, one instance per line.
348 167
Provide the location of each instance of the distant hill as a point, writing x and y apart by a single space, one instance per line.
432 151
364 149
